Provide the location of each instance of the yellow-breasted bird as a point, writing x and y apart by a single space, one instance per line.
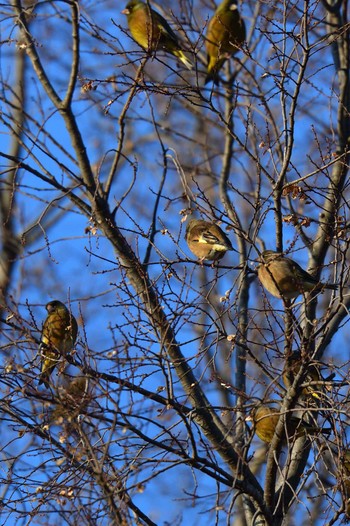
265 420
225 35
151 31
57 338
283 277
206 240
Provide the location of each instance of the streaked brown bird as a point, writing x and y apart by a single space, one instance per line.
312 374
225 36
57 338
151 31
206 240
283 277
265 420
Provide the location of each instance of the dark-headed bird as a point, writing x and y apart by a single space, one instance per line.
57 338
151 31
225 36
283 277
206 240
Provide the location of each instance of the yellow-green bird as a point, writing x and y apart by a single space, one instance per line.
283 277
206 240
265 420
57 338
151 31
225 36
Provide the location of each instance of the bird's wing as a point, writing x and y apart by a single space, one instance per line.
220 238
302 275
164 27
208 236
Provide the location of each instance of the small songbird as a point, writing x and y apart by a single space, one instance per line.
313 374
206 240
151 31
57 338
225 35
265 420
283 277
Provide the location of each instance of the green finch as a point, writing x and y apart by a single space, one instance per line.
206 240
151 31
265 420
283 277
57 338
225 35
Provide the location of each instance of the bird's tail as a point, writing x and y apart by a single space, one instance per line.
44 379
331 286
213 69
181 56
212 76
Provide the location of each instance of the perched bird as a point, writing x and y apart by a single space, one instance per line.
312 374
283 277
151 31
57 338
225 35
265 420
206 240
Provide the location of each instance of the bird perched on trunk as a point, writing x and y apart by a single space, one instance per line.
265 420
151 31
206 240
57 338
225 35
312 374
283 277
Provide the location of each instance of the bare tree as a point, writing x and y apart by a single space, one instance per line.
107 152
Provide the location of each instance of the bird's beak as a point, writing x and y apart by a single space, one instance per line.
248 418
125 12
